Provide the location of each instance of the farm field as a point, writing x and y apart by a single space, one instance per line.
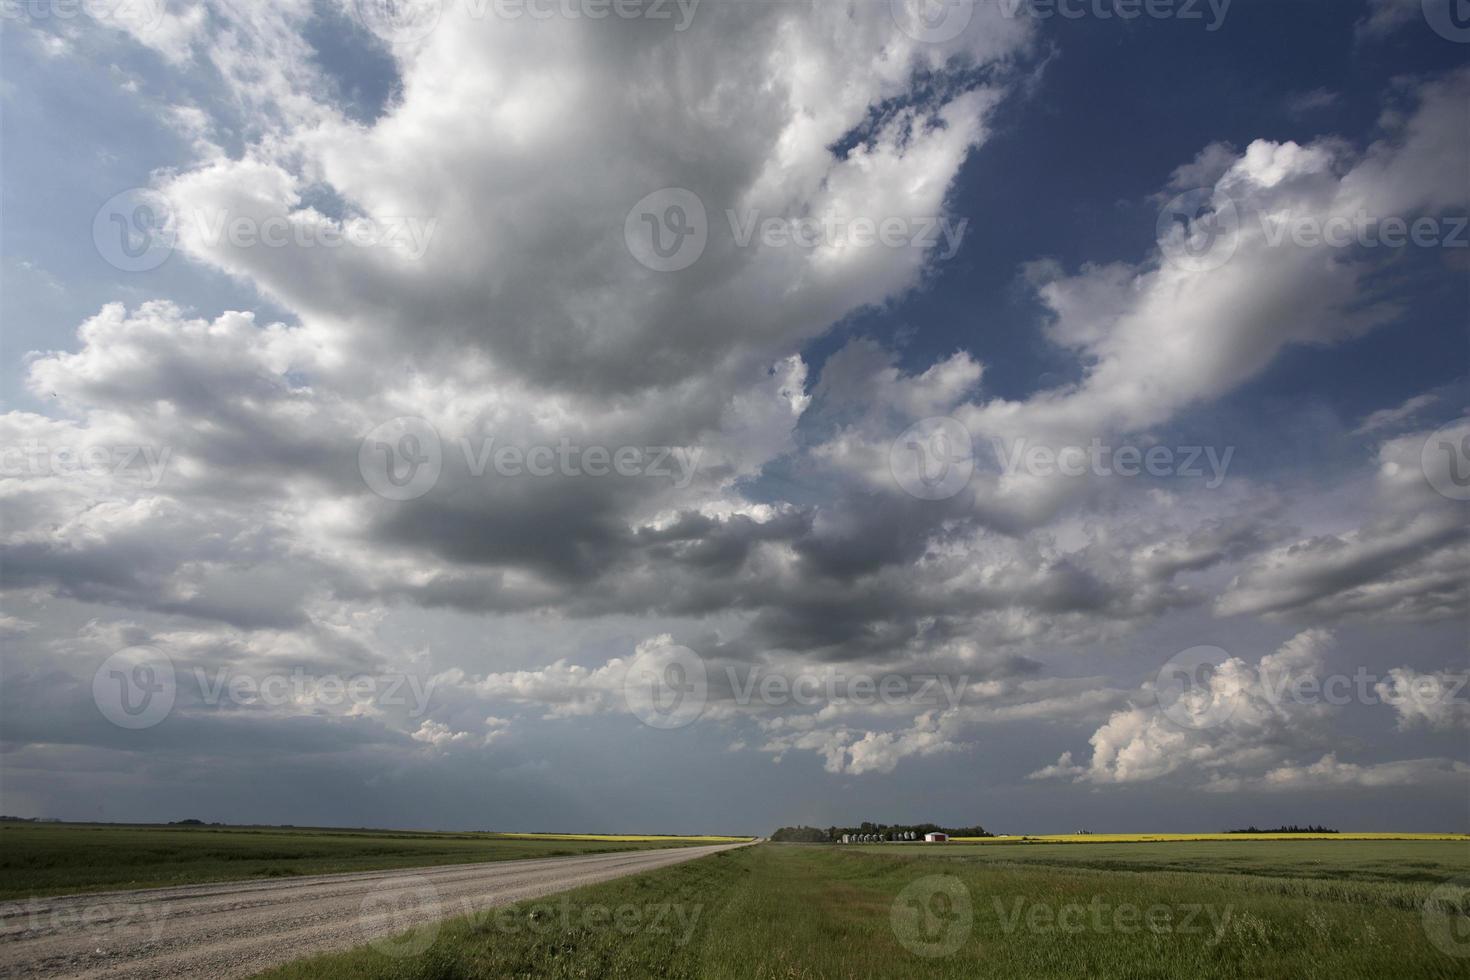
1160 838
59 859
628 838
1308 909
1347 858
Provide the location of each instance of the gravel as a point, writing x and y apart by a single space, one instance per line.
235 929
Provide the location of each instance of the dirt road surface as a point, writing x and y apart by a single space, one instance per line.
234 929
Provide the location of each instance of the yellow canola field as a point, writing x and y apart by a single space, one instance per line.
624 838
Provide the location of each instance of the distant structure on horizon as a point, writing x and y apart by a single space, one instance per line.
893 837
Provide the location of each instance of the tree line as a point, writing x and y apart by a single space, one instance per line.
818 835
1288 829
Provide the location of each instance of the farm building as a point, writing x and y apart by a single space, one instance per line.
935 838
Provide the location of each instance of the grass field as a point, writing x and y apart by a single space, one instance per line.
1346 860
1241 909
1158 838
58 859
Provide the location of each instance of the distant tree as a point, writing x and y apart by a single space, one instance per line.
887 831
1289 829
801 835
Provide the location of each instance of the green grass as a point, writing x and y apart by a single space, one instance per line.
1351 860
59 859
805 911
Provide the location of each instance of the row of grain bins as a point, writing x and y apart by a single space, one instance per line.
896 836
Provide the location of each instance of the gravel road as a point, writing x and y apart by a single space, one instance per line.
234 929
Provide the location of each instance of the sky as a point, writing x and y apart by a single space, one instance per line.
675 417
